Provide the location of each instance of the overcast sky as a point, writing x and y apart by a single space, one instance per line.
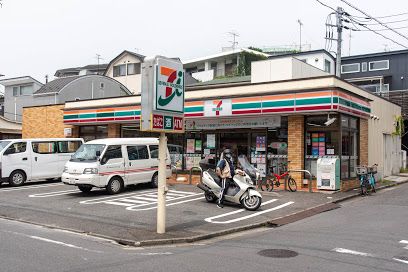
40 36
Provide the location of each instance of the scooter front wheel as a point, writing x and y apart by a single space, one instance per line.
251 203
210 197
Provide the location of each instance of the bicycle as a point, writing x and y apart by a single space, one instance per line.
274 180
367 178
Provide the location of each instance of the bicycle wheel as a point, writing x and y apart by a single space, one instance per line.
263 185
292 184
270 184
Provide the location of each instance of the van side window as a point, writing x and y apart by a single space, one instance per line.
68 146
113 152
154 151
16 148
138 152
44 147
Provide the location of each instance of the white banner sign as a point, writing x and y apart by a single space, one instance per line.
231 123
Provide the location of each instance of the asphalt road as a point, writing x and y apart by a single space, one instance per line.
365 234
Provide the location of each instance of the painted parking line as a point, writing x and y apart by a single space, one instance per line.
211 219
28 187
57 193
145 201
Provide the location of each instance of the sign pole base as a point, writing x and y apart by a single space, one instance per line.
162 188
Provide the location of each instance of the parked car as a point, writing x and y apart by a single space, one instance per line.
24 160
114 164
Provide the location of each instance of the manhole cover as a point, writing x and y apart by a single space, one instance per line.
278 253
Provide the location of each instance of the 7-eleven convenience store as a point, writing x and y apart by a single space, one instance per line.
269 122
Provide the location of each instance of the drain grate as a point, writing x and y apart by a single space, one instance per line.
278 253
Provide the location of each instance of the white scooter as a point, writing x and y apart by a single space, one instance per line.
242 191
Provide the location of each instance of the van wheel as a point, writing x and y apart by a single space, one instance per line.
155 180
17 178
115 185
85 188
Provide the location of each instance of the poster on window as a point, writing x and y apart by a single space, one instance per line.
260 143
190 145
211 141
198 145
262 169
189 162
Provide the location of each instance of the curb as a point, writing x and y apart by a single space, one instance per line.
274 223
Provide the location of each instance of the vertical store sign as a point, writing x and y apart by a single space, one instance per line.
162 111
162 95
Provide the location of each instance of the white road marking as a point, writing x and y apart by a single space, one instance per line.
29 187
399 260
209 219
50 241
251 215
62 243
404 242
103 199
169 204
57 193
154 253
352 252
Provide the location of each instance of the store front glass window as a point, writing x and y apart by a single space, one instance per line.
277 146
322 139
193 150
89 133
349 145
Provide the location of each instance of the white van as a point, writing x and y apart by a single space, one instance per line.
114 164
24 160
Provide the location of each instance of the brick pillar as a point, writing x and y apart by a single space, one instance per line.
296 148
113 131
363 141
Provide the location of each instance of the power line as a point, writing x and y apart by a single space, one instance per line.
327 6
385 29
373 30
390 22
381 17
384 25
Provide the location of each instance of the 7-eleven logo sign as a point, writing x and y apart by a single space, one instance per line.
221 107
169 89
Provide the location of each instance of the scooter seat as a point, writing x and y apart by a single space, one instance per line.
214 176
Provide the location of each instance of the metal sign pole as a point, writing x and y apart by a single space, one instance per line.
162 188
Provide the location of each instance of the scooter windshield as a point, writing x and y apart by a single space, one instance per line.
246 166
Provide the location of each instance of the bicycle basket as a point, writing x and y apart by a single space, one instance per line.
361 170
372 169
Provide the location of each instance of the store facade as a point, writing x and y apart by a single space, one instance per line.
269 123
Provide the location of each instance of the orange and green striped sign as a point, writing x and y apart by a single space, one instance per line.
307 102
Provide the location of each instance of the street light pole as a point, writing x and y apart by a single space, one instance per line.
300 34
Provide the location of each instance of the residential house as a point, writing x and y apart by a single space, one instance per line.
126 69
383 73
92 69
72 88
320 59
17 90
224 64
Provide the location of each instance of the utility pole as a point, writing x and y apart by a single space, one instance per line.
339 24
350 43
98 58
300 34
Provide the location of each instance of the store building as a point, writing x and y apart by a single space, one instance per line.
300 116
